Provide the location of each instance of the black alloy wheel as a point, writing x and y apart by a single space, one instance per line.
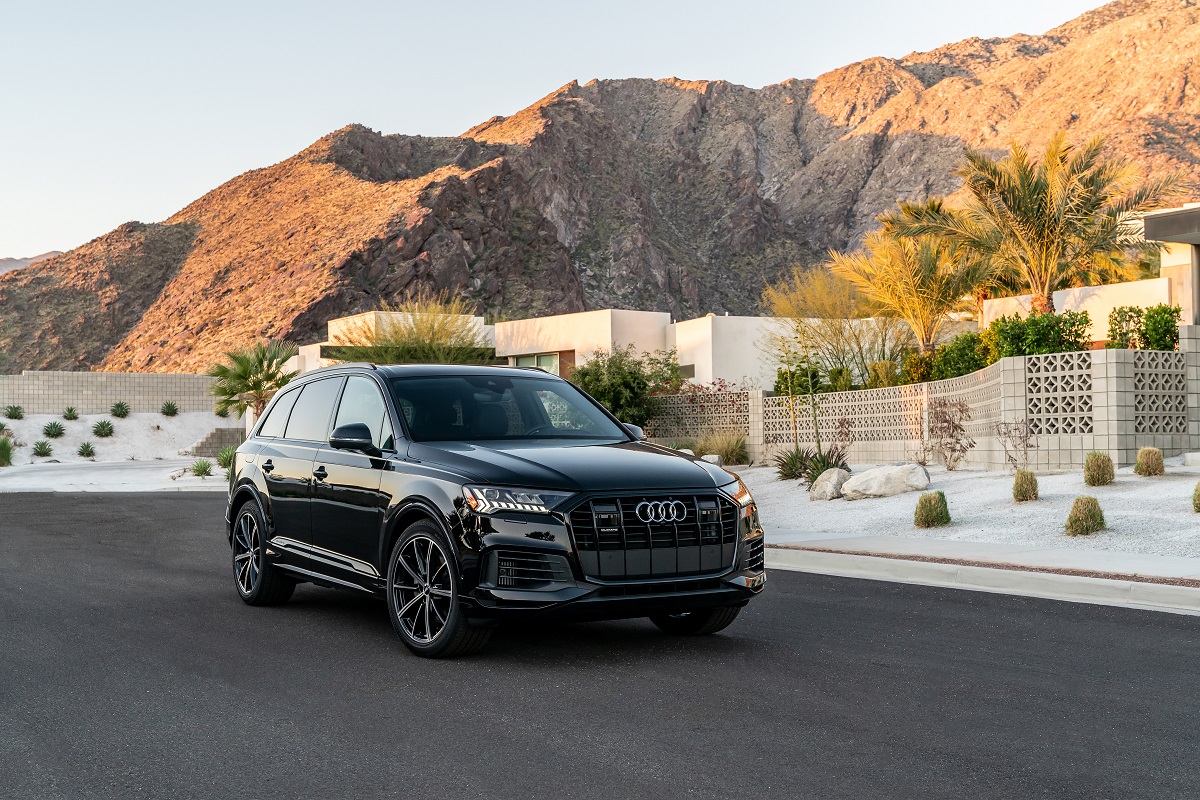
697 623
422 596
258 583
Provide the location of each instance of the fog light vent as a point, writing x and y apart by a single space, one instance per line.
517 570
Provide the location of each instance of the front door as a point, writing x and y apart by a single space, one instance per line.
348 505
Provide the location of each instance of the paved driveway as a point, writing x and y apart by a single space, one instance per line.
129 668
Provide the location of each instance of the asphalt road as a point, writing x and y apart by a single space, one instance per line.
129 668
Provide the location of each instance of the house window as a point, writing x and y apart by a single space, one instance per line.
546 361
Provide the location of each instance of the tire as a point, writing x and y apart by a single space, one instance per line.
697 623
258 583
422 596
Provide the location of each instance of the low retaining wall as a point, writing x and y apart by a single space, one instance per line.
95 392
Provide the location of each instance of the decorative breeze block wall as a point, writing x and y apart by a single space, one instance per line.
688 416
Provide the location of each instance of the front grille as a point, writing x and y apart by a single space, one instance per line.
517 570
755 553
613 543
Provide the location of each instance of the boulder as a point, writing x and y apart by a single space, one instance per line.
886 481
829 485
712 458
685 451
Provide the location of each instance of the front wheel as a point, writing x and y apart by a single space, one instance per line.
258 583
422 596
697 623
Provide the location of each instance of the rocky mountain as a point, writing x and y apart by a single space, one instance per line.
676 195
9 264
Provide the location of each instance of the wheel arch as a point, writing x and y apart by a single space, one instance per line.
243 494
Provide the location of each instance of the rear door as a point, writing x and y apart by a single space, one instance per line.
287 460
348 505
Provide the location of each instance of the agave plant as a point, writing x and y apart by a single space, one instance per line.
249 378
102 429
14 412
202 468
120 409
169 409
53 430
831 458
225 457
69 413
86 450
790 465
42 449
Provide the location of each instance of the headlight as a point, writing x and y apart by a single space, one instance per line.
490 499
738 492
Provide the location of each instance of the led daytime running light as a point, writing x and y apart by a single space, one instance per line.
490 499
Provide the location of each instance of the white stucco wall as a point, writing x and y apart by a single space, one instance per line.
1097 301
584 333
735 349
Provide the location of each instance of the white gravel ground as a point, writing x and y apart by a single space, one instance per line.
1144 515
138 437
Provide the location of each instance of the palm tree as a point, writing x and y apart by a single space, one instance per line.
1047 225
919 279
250 378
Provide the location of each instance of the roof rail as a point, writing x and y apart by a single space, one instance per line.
333 367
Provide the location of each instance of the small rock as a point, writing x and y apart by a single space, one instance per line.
886 482
712 458
685 450
829 485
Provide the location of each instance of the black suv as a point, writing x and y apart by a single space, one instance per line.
468 495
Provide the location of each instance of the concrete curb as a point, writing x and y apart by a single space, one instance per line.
1072 588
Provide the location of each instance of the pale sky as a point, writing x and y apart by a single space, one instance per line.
115 111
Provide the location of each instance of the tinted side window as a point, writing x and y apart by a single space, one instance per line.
310 418
277 417
363 402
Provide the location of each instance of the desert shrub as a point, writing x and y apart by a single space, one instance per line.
962 355
6 451
1085 517
102 429
225 457
1125 328
1098 469
1037 334
617 379
881 374
53 430
1160 328
729 445
790 465
120 409
948 437
918 368
3 429
86 450
797 380
222 412
1017 439
14 412
1149 462
42 449
1195 498
840 379
169 409
932 511
69 413
1025 486
831 458
202 468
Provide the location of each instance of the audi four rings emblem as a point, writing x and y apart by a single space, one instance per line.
661 511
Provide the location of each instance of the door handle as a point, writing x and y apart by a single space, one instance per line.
320 474
267 466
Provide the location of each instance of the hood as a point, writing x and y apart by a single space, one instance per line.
574 467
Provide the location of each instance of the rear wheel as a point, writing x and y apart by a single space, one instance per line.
422 596
697 623
258 583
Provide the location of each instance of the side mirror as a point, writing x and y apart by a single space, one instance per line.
354 436
634 431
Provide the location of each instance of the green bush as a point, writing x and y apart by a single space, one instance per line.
1125 328
202 468
617 379
86 450
120 409
791 465
1098 469
962 355
881 374
840 379
1025 486
42 449
6 451
1196 499
1160 327
169 409
1085 517
222 412
918 367
1037 334
1149 462
69 413
14 412
53 430
102 429
833 458
729 445
225 457
932 511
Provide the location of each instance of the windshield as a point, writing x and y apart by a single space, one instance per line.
456 408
